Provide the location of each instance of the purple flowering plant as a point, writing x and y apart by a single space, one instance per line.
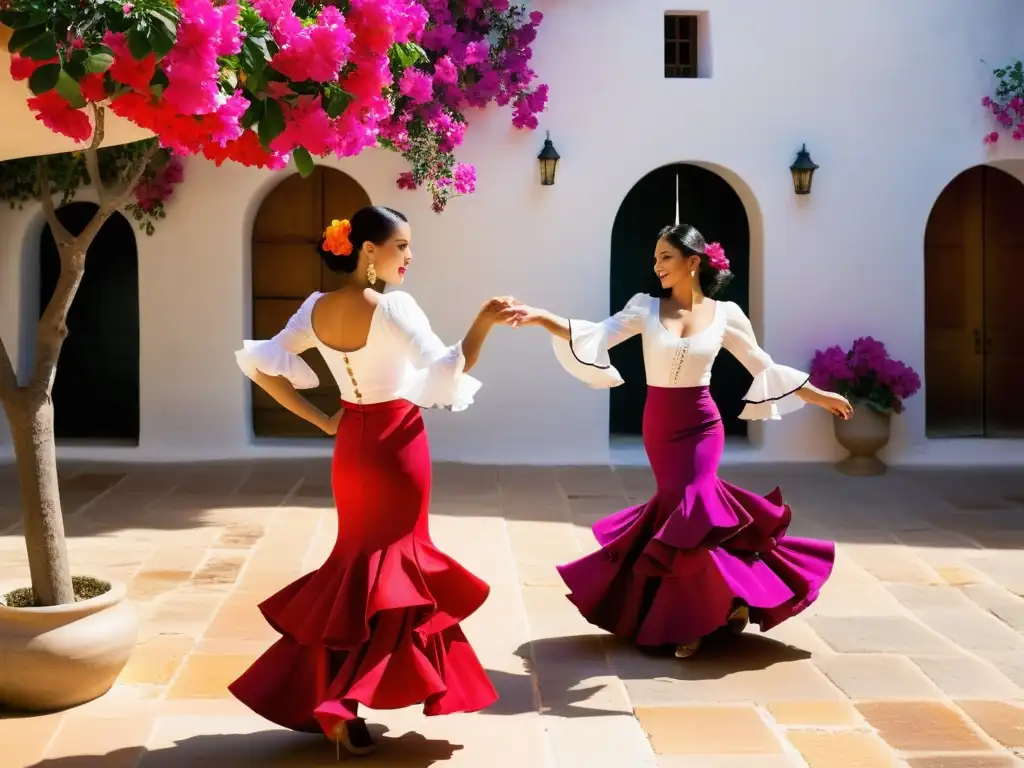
865 374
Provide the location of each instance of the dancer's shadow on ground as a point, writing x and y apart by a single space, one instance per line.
268 749
557 670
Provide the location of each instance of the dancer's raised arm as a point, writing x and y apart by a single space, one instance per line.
582 346
776 389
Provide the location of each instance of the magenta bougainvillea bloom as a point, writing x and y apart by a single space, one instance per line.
265 82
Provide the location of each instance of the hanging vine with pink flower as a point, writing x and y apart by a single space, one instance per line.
1006 105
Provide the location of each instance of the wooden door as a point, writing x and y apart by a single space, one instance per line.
96 389
954 288
286 269
1003 305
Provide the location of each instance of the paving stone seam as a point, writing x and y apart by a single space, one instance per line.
952 706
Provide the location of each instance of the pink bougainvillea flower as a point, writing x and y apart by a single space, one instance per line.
315 52
126 69
465 179
205 32
58 115
22 68
417 85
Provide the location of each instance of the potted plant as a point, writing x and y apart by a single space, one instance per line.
876 385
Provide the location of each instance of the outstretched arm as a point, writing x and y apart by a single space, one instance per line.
581 347
775 388
553 324
497 311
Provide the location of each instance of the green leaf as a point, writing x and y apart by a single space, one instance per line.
335 100
44 79
43 49
68 88
303 161
271 124
306 88
162 33
98 63
25 36
1019 66
138 42
253 114
159 79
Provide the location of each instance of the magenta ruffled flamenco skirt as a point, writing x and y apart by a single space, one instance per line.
672 570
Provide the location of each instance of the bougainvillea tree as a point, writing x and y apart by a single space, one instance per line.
1007 103
262 83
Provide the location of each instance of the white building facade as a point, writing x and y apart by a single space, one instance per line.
886 97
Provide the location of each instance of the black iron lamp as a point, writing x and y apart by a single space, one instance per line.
548 158
803 169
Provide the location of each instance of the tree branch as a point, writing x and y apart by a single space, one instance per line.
92 158
60 234
134 177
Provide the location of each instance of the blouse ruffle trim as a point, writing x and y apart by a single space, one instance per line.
443 384
270 359
772 394
585 355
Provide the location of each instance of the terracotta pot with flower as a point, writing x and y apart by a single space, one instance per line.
876 385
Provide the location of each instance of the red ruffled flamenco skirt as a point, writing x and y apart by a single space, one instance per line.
378 623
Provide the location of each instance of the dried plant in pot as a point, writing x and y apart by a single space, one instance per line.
59 656
876 385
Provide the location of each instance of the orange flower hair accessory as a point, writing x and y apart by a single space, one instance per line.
336 238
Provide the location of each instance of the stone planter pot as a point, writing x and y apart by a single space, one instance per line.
863 436
65 655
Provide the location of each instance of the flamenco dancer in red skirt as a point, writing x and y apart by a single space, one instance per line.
701 554
378 623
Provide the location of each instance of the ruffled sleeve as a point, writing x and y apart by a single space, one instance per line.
585 353
279 356
437 378
773 392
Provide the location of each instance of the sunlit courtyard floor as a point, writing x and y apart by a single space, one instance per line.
914 655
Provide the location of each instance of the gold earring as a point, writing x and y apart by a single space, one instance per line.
693 273
371 274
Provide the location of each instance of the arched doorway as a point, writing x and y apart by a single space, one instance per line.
286 269
708 202
96 389
974 270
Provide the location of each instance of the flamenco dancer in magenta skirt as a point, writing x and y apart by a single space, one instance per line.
702 553
378 623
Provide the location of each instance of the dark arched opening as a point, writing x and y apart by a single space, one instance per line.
708 202
96 389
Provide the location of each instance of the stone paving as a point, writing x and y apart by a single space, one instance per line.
913 656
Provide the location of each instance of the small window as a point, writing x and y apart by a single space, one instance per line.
681 45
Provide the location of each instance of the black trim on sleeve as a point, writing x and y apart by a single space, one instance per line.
780 397
583 362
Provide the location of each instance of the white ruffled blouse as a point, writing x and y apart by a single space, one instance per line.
403 359
671 361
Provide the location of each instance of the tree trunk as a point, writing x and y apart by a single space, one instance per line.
30 408
31 420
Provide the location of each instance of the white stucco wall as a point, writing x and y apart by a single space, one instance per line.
886 96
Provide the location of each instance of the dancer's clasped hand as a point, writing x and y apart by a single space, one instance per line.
503 310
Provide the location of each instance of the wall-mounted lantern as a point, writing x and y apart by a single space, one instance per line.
548 158
803 169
